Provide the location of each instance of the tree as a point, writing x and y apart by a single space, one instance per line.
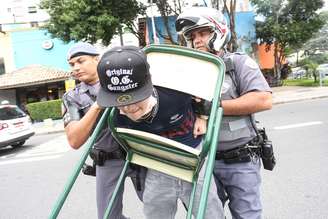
319 43
166 9
288 24
229 8
231 12
90 20
310 65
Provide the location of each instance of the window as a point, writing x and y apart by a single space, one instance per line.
18 11
8 10
10 112
34 24
2 66
32 9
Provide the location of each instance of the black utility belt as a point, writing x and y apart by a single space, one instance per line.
100 156
240 154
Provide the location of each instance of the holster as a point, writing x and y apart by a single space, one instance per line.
100 156
240 154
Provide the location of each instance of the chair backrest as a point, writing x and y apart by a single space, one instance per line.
182 69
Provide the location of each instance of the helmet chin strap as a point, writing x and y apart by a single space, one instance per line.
210 43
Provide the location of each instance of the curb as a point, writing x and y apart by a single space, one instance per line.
48 132
276 102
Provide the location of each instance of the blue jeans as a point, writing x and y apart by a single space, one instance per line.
240 184
163 191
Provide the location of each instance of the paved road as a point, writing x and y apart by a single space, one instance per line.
297 188
32 177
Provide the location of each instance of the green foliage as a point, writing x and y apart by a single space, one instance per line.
288 24
44 110
317 58
312 62
304 82
320 41
292 23
90 20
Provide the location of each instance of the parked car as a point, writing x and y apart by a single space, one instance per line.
298 73
323 69
15 125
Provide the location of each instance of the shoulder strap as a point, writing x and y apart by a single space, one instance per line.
230 69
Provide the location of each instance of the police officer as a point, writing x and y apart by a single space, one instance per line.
244 92
80 115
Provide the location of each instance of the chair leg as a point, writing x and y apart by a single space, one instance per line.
191 201
118 188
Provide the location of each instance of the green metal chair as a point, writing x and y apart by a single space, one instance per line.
179 68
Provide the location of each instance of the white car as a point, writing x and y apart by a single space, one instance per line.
298 73
15 125
323 69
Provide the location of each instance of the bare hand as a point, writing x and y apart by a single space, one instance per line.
199 127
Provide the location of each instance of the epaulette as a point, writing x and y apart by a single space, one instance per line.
239 53
228 61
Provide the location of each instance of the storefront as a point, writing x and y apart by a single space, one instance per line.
33 84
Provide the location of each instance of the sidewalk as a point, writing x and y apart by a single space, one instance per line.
280 95
55 126
296 93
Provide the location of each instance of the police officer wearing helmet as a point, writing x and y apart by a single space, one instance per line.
244 92
80 114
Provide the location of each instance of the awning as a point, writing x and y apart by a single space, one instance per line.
32 75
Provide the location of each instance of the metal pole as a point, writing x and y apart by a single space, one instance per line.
153 23
121 36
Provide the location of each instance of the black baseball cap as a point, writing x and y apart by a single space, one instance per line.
124 77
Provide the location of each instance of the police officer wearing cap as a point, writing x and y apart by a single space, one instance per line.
80 114
244 92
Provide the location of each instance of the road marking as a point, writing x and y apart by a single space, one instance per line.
297 125
28 160
49 150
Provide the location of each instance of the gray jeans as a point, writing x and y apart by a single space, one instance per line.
240 184
163 191
107 177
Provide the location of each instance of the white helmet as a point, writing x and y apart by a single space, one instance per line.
198 17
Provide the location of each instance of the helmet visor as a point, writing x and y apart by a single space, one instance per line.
185 22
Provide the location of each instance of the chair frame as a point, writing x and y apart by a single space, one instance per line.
210 140
208 149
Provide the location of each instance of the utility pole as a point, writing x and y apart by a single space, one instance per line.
156 41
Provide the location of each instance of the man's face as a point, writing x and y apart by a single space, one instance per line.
137 110
200 38
84 68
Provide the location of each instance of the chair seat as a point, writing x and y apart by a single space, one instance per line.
161 154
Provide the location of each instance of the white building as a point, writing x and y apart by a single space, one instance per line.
21 11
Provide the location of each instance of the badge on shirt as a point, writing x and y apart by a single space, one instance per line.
175 118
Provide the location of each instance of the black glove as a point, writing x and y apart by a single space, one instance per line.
201 106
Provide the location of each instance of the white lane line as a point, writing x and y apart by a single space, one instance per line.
297 125
29 160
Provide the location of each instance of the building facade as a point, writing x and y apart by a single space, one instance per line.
33 65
